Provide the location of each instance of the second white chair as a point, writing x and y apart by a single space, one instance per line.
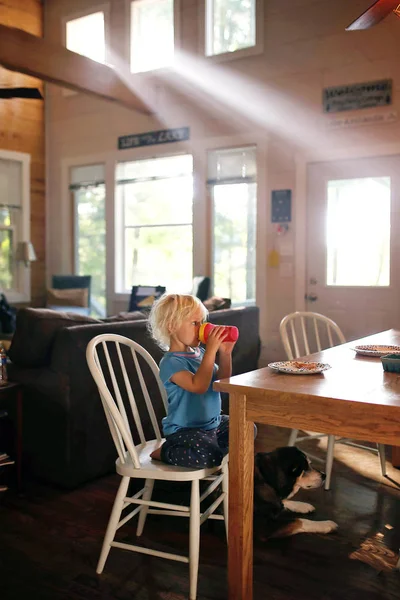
304 333
114 361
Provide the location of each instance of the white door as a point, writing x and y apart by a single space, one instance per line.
353 243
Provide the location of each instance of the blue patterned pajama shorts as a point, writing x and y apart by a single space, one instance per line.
197 448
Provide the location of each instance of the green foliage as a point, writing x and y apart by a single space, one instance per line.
234 25
91 240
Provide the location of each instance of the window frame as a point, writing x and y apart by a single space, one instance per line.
177 39
119 221
258 48
21 292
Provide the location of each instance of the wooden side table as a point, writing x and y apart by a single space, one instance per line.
14 390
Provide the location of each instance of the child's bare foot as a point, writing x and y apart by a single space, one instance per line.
156 454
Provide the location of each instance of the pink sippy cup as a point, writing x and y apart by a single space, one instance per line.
232 332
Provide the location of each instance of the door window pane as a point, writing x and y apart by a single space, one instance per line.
231 25
358 232
152 34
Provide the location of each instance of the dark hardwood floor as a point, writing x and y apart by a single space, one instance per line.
50 542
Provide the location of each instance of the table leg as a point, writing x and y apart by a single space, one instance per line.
19 440
396 456
241 493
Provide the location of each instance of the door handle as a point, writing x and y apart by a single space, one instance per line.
311 297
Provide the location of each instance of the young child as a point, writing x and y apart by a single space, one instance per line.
196 433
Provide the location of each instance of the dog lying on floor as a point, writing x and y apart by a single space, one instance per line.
278 475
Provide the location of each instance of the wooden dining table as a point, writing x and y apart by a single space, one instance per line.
356 398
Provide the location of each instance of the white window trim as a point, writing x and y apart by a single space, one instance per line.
22 292
177 41
243 52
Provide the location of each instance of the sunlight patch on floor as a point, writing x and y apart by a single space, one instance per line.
374 552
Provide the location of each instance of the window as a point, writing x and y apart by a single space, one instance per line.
14 224
232 179
230 26
154 215
86 36
358 232
152 34
88 189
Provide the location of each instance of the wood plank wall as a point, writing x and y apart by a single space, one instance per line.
22 130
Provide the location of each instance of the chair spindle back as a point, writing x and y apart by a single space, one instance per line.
304 333
113 376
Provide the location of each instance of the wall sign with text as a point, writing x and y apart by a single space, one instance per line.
151 138
357 96
281 206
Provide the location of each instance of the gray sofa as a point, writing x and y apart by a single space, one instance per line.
66 437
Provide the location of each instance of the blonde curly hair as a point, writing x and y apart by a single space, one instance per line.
167 314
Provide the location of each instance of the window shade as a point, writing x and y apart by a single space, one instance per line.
10 182
233 165
88 175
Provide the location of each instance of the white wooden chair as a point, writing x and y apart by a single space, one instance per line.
110 356
304 333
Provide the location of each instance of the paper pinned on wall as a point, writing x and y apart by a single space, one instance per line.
286 247
286 269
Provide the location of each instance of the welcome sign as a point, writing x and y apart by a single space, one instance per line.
357 96
151 138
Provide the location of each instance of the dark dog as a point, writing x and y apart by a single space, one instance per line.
278 475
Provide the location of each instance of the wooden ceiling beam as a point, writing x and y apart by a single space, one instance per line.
32 55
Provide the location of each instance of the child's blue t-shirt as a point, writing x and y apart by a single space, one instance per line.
187 409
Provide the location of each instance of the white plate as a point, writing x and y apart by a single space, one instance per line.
376 350
297 367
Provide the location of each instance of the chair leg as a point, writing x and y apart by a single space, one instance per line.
329 461
112 523
194 540
148 490
293 437
382 456
225 489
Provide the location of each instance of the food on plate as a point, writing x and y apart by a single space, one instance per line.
310 366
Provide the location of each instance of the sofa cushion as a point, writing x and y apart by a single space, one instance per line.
35 332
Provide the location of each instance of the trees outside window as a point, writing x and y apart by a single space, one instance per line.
89 195
230 25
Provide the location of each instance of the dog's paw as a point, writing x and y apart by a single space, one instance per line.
327 526
302 508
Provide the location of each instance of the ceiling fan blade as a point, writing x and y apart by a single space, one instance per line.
374 14
21 92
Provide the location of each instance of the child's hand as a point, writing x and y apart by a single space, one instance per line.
215 339
226 347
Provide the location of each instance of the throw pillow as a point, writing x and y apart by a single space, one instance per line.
67 297
35 332
217 303
135 315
